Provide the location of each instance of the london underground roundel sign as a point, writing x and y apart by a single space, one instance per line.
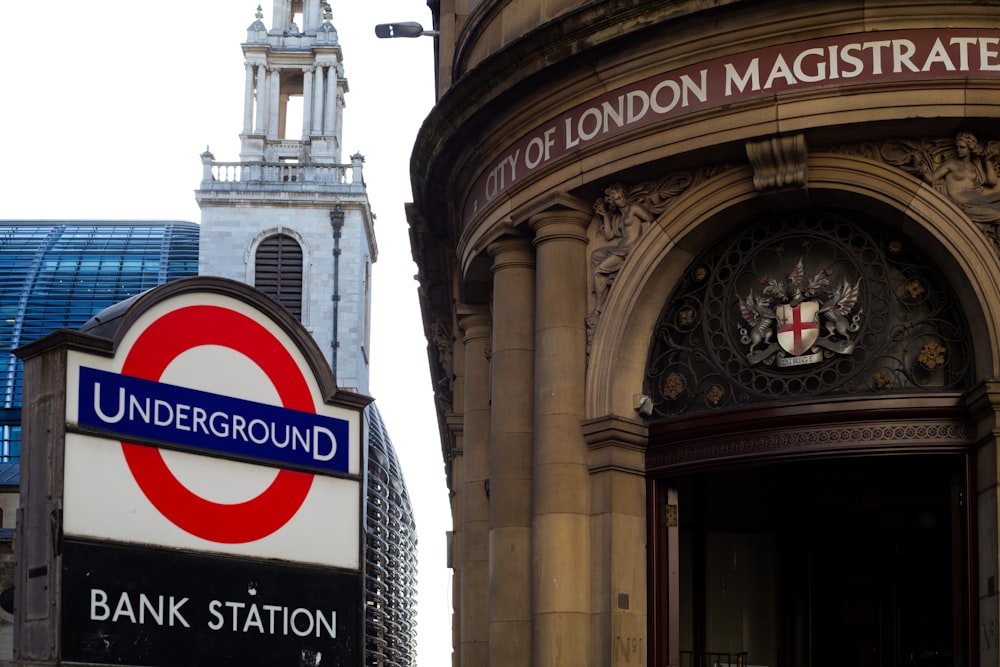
206 382
160 344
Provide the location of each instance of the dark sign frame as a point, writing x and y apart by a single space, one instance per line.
136 605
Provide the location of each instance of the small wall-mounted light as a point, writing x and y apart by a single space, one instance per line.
642 404
405 29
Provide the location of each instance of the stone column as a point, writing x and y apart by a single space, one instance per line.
311 16
455 465
281 15
561 496
307 86
331 100
248 101
338 123
456 541
473 647
511 424
274 97
261 99
317 113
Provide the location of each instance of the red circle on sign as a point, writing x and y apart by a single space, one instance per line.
156 347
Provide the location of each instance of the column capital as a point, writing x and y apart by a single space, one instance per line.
553 201
511 251
561 224
474 321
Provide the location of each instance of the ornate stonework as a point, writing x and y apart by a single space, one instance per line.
621 217
903 435
961 168
778 162
798 305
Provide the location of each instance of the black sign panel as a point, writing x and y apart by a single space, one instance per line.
141 606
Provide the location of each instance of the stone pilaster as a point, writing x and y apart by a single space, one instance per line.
473 645
511 423
984 404
561 499
618 534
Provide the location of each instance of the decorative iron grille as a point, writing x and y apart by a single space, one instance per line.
800 306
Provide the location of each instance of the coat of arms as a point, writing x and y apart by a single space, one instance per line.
797 320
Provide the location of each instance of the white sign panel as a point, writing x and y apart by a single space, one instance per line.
239 452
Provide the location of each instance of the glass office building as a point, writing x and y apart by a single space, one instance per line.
57 274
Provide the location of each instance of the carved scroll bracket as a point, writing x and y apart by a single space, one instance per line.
779 167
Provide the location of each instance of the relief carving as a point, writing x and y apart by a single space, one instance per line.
444 341
962 169
621 217
620 220
808 316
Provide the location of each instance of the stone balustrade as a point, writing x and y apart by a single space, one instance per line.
280 172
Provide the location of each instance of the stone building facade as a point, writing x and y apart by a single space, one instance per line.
711 293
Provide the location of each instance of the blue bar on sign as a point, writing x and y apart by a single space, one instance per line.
127 408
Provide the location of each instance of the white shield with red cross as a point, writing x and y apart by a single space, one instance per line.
798 326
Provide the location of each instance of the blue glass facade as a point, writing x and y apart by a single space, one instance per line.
58 274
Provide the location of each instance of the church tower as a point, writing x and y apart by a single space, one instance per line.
291 217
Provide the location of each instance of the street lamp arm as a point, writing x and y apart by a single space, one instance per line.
405 29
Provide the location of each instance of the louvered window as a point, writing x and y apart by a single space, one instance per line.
278 271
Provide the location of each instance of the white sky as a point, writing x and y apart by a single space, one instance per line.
105 109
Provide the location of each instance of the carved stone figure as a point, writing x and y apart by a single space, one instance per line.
970 180
445 343
961 169
620 219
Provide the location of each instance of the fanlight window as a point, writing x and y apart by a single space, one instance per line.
806 305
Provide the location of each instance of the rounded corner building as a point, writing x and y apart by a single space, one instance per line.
717 289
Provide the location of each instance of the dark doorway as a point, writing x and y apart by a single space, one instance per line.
852 561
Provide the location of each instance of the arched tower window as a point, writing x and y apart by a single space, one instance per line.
278 271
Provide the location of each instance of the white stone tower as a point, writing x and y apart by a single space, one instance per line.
289 217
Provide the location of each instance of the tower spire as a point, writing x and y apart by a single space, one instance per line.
266 220
294 94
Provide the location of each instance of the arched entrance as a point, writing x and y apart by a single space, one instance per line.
860 561
811 452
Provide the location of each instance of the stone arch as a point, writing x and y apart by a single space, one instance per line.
696 219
